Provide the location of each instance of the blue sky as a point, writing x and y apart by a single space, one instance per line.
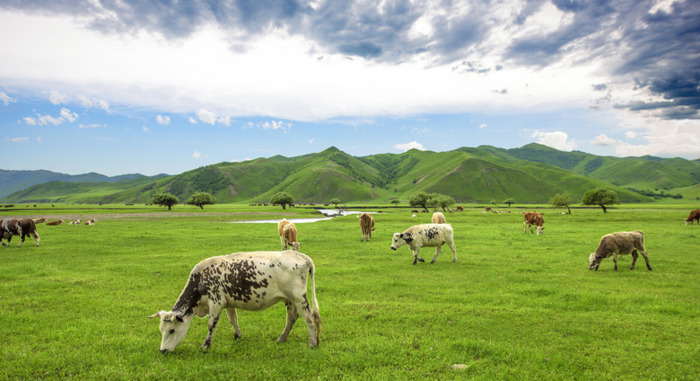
168 86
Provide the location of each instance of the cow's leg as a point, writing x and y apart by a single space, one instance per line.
437 252
615 260
284 243
525 227
36 237
646 259
233 318
214 313
634 259
454 251
311 318
416 258
292 315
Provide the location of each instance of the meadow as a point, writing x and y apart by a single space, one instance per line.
513 306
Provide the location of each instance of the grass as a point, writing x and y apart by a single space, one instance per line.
514 305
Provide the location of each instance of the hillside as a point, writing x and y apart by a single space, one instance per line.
530 174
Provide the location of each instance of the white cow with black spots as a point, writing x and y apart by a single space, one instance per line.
249 281
427 235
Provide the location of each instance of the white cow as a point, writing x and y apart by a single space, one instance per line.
249 281
438 218
427 235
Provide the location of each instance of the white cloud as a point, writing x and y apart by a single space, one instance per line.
407 146
238 160
56 97
145 129
163 120
311 141
631 134
206 116
18 140
29 121
48 119
557 139
196 155
93 125
38 139
104 105
68 115
483 125
6 99
192 120
603 140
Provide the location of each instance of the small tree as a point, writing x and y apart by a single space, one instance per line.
444 201
282 198
509 202
420 199
335 201
165 199
200 199
395 202
493 202
600 196
562 200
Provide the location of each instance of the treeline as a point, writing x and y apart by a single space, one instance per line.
656 195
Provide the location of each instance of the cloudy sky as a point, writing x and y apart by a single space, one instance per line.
124 86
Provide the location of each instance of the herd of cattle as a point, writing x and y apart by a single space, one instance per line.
257 280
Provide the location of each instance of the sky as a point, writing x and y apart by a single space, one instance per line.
166 86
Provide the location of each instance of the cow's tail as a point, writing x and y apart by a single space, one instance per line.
315 311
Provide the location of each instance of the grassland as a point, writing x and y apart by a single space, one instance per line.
514 305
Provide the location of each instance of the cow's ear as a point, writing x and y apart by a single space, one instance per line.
155 315
401 235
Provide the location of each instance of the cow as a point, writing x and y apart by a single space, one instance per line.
54 223
460 209
288 235
694 216
438 218
76 222
619 243
533 218
427 235
22 227
39 220
367 226
250 281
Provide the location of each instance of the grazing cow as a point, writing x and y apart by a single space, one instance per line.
427 235
460 209
620 243
438 218
76 222
22 227
39 220
54 223
367 226
250 281
694 216
487 208
532 218
288 235
415 211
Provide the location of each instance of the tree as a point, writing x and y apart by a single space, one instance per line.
165 199
444 201
420 199
395 202
493 202
200 199
509 202
282 198
562 200
335 201
600 196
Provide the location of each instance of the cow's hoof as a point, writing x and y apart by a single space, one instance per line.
432 261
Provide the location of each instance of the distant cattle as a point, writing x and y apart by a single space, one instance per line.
438 218
288 235
90 222
249 281
620 243
39 220
693 217
22 227
75 222
532 218
367 226
54 223
488 208
427 235
460 209
415 211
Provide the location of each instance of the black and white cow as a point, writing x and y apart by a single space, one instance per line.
22 227
249 281
427 235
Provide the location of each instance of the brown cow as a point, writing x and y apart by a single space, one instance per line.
533 218
694 216
288 235
22 227
367 226
460 209
54 223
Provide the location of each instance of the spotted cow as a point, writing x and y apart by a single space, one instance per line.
533 218
22 227
427 235
249 281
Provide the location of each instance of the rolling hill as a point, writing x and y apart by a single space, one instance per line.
529 174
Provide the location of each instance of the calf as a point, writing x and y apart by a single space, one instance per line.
250 281
532 218
76 222
438 218
367 226
693 217
427 235
288 235
619 244
22 227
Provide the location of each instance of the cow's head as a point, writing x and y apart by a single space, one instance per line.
594 261
173 326
539 230
401 239
295 246
688 222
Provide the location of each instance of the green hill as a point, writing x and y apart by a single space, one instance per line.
529 174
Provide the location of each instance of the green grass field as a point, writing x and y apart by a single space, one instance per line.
514 305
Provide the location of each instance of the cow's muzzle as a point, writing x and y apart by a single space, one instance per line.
393 248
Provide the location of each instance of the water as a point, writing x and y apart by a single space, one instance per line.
328 213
